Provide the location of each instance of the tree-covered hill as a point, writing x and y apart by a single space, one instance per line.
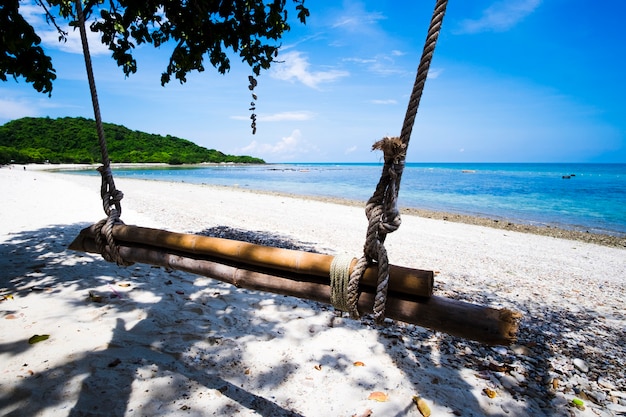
75 140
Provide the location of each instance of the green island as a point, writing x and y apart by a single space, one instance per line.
74 140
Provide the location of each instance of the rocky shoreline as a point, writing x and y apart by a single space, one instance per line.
552 231
503 224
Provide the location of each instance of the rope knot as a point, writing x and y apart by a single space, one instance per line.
394 150
394 154
384 218
111 201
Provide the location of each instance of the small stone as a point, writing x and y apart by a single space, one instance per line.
597 397
618 394
508 381
581 365
604 382
518 377
521 350
616 408
500 350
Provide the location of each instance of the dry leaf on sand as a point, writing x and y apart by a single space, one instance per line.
379 396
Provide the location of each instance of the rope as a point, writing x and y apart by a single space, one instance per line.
382 208
111 197
339 276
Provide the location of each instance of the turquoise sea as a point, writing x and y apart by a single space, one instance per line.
576 196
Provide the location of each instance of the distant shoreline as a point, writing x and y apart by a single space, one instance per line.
604 239
118 165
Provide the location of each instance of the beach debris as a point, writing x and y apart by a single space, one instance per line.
489 393
113 364
366 413
578 403
180 292
318 367
555 383
379 396
422 406
115 293
358 363
124 284
95 297
38 338
6 297
10 317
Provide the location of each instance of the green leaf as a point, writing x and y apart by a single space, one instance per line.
38 338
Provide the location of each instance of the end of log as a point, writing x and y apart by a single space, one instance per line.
79 243
509 324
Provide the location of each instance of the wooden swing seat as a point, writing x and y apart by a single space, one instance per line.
307 275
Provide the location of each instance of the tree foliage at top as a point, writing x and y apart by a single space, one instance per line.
197 30
74 140
20 50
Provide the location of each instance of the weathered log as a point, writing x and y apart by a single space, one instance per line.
401 280
483 324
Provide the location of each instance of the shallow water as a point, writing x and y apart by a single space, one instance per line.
578 196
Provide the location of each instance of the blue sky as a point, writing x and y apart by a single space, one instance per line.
511 81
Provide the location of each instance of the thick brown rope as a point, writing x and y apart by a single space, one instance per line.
382 208
111 197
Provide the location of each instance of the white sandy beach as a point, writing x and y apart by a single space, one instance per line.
165 343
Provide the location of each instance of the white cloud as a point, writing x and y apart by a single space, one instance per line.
286 116
500 16
381 64
361 60
351 149
295 67
434 73
35 15
287 148
388 101
12 109
280 117
356 18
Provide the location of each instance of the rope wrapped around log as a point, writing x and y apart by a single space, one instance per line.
307 275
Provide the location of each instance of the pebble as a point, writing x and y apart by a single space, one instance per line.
605 383
508 381
617 408
597 397
581 365
500 350
618 394
518 377
521 350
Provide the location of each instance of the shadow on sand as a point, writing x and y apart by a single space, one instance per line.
184 338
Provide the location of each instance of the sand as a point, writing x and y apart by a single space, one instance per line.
145 341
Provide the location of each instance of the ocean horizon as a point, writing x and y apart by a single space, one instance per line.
576 196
